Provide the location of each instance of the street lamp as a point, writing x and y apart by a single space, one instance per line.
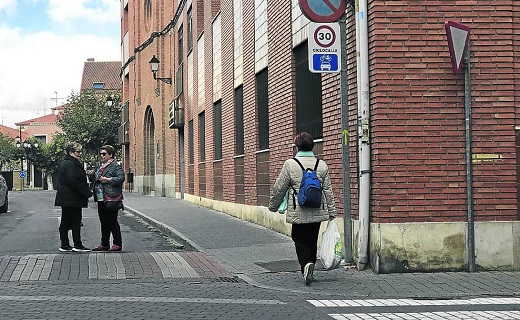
18 147
22 151
110 101
154 65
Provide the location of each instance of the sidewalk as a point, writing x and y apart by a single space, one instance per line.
266 258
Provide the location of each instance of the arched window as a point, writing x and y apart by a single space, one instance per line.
148 13
149 143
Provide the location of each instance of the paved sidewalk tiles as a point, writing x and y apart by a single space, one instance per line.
108 265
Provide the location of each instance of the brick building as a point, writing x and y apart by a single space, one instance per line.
233 87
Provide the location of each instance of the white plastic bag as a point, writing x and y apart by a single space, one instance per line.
330 251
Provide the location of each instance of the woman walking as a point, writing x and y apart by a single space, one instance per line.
305 220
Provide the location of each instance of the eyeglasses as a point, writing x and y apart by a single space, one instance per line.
102 153
78 151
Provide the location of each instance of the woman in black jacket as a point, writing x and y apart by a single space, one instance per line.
72 196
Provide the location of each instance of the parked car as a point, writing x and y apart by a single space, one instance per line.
4 199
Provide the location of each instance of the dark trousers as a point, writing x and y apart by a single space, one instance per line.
305 237
109 225
70 220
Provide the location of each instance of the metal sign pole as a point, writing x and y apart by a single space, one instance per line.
469 158
345 152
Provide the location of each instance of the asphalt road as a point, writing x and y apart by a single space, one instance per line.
152 278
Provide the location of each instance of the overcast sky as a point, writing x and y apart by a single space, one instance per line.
43 47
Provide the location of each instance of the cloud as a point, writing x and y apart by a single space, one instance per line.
36 65
7 5
72 11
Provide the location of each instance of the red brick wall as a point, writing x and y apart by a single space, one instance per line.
281 89
417 104
139 87
228 101
250 127
417 109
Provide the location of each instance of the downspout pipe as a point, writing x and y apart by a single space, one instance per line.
364 170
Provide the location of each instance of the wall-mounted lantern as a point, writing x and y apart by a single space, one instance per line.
154 65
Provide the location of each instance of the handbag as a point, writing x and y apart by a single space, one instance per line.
113 202
330 251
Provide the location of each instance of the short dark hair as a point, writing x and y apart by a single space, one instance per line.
304 141
109 149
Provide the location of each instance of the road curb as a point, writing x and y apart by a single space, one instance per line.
168 230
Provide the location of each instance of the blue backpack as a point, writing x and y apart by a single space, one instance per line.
310 191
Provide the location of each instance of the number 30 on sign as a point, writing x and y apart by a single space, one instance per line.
324 47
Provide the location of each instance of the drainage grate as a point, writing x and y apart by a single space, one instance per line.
229 279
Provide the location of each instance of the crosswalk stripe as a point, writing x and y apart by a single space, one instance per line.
446 315
412 302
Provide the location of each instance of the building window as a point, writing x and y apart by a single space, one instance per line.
179 44
190 142
202 137
98 85
309 115
42 139
239 120
201 87
149 143
261 43
237 55
148 9
190 29
217 61
263 110
217 129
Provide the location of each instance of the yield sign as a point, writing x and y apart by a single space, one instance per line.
458 38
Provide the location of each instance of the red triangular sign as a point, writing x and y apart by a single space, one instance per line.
458 38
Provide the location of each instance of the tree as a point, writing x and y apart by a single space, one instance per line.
47 157
8 150
89 121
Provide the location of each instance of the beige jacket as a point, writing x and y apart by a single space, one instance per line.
291 175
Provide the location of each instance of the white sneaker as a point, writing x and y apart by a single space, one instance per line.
65 249
80 249
307 273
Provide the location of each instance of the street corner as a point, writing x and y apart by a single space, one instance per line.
205 266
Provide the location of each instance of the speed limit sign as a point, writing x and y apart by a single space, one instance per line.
324 47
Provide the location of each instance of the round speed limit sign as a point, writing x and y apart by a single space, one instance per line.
324 36
324 47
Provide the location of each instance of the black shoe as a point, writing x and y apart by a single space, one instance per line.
65 249
80 249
